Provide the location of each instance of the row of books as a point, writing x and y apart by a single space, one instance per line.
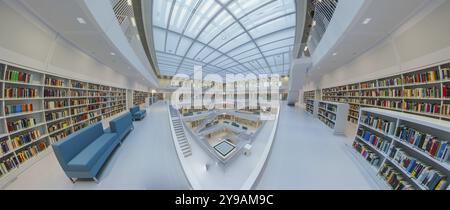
80 126
9 164
80 118
424 174
58 126
93 107
21 92
372 93
446 73
78 85
23 139
79 110
60 135
18 76
18 108
446 110
390 104
368 155
78 102
446 90
390 82
368 85
422 77
436 148
54 82
326 122
21 124
55 93
380 143
379 123
394 178
30 152
56 115
423 107
5 145
431 92
77 93
55 104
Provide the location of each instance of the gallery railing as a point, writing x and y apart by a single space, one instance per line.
323 13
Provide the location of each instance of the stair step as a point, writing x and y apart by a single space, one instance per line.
187 154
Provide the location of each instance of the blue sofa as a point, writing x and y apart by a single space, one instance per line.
137 113
121 126
83 153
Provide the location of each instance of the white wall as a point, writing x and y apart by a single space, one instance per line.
26 41
421 42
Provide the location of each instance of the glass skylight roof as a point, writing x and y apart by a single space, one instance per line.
224 36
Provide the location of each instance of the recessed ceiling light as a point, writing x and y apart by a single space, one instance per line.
113 53
81 20
306 48
334 54
129 2
314 23
367 21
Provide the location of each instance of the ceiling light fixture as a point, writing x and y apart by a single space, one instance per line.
367 21
334 54
313 23
306 48
81 20
129 2
113 53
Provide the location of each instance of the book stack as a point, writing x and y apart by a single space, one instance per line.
18 76
23 139
429 108
425 142
422 77
54 82
80 118
30 152
93 107
18 108
394 179
21 92
368 85
391 104
372 102
76 93
424 174
21 124
55 93
380 143
380 124
368 155
55 104
56 115
93 114
372 93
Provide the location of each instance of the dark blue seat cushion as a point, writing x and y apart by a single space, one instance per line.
86 159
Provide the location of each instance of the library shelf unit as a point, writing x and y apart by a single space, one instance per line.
312 107
38 109
334 115
423 92
407 151
309 95
139 97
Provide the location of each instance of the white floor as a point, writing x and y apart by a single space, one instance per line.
305 155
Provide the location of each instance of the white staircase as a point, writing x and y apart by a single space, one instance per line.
180 133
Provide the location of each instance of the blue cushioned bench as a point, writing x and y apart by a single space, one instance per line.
83 153
137 113
121 126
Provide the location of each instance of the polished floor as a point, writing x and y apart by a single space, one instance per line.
305 155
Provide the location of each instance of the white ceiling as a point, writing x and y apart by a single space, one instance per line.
61 16
386 15
224 36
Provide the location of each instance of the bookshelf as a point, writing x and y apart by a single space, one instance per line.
38 109
309 95
406 150
424 92
139 97
334 115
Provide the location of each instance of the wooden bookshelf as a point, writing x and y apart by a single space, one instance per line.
38 109
139 97
424 92
334 115
383 140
